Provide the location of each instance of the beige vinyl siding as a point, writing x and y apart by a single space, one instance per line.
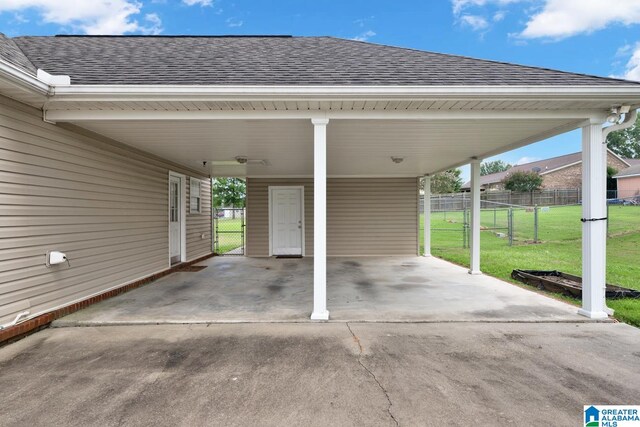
365 216
102 203
373 216
199 224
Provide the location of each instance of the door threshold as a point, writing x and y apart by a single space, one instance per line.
288 256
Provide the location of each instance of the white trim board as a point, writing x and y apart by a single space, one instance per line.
183 214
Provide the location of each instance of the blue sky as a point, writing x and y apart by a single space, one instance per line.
585 36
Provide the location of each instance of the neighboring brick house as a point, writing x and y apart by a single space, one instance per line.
629 181
558 172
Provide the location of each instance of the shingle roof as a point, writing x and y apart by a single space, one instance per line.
11 53
630 171
283 60
540 166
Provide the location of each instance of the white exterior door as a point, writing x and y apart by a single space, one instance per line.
286 221
175 219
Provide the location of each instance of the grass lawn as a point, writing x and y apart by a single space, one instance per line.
560 247
229 236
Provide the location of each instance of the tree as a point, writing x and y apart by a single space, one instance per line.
448 181
522 181
229 192
626 142
495 166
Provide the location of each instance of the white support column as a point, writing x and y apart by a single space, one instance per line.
320 219
474 266
426 203
594 225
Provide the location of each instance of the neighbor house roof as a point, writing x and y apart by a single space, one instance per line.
268 60
634 170
541 166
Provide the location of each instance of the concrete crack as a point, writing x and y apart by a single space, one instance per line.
384 390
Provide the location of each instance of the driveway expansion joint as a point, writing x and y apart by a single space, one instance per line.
384 390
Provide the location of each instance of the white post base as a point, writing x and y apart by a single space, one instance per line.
593 314
320 316
475 272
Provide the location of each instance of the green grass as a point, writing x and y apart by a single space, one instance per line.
560 247
228 241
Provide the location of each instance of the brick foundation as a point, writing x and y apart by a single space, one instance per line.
30 326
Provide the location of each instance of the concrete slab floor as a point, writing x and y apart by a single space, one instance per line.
240 289
318 374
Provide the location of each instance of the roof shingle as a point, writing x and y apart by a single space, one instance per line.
187 60
10 52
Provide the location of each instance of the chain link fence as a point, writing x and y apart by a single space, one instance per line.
513 224
229 231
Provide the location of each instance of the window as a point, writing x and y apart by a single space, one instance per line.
174 214
194 196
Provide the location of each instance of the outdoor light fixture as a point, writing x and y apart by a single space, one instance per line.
397 159
242 160
616 112
614 116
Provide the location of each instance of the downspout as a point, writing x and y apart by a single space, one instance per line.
19 317
51 81
629 120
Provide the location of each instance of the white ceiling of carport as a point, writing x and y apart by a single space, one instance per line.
355 147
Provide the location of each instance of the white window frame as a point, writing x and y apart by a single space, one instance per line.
193 181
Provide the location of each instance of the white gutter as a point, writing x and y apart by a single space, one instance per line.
22 79
235 93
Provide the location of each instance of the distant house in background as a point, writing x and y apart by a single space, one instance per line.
559 172
629 180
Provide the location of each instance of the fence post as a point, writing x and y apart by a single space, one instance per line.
535 224
494 217
465 228
510 226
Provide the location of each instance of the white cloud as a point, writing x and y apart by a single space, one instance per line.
632 71
202 3
475 22
363 37
525 159
234 22
363 21
90 17
460 5
155 24
564 18
499 16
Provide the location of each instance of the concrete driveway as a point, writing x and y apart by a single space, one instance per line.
388 289
319 374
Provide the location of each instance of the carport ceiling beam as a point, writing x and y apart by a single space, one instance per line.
143 115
